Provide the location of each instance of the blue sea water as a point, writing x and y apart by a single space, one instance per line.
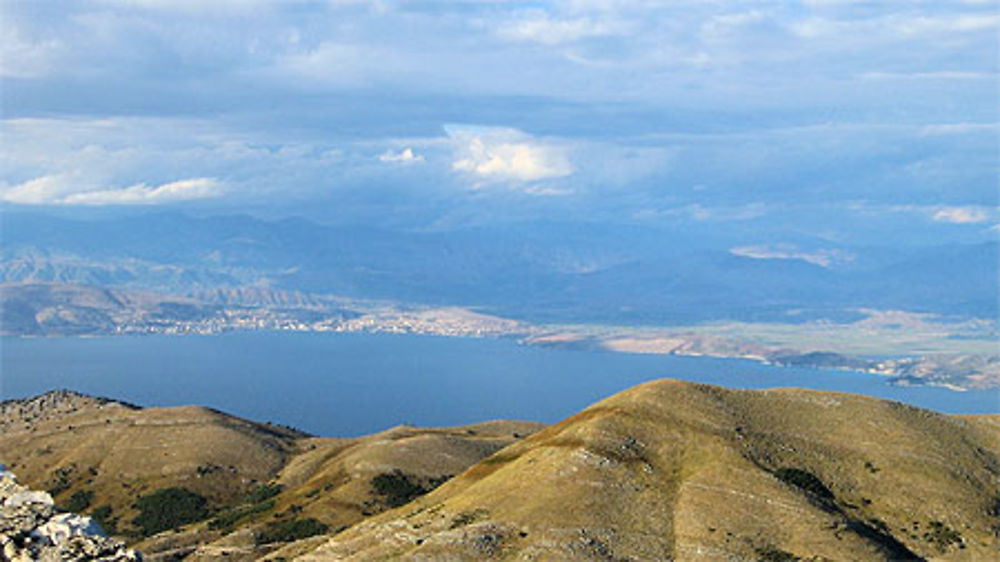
351 384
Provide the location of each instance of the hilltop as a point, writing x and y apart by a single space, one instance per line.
674 470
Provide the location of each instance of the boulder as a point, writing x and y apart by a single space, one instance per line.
31 529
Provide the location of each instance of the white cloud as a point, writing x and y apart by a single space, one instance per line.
506 155
40 191
823 258
194 7
699 212
726 23
961 215
63 190
962 23
929 75
958 129
405 156
547 191
900 25
22 57
539 27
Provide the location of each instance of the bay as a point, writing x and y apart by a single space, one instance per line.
352 384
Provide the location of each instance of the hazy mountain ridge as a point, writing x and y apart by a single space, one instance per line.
542 272
666 470
46 309
40 309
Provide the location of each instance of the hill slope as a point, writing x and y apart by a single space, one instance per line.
674 470
69 443
101 456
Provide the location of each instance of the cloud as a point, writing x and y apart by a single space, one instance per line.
928 75
822 258
193 7
961 215
699 212
958 129
951 214
503 154
405 156
538 27
60 190
547 191
23 57
40 191
962 23
898 24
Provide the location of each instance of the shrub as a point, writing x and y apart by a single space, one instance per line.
233 515
290 530
943 536
399 489
103 517
169 508
262 493
78 501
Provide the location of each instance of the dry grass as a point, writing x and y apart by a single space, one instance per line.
673 470
77 445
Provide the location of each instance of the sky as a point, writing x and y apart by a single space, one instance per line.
846 120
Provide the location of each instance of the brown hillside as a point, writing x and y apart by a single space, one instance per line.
67 443
72 444
674 470
334 480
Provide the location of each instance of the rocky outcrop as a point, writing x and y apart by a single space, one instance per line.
32 529
25 413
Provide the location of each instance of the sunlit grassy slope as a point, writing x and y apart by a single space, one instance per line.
674 470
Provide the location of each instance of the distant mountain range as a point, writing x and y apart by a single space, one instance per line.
57 309
666 470
551 272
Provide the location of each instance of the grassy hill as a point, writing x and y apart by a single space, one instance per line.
213 476
674 470
666 470
93 453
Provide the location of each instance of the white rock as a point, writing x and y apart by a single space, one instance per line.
61 527
8 487
28 496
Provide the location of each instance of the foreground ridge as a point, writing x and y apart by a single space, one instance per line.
672 470
668 470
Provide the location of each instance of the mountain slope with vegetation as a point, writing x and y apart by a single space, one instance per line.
666 470
674 470
172 480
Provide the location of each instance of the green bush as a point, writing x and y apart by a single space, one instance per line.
399 489
290 530
103 517
262 493
78 501
233 515
169 508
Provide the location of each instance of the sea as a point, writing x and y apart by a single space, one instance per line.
337 384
